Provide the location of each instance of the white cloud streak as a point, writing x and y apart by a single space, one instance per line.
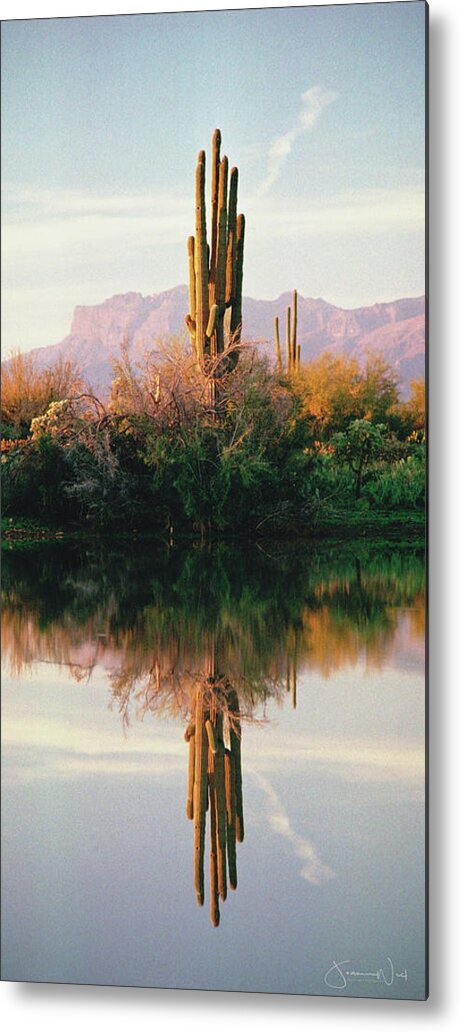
313 869
314 101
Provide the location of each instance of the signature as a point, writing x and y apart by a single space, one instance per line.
340 974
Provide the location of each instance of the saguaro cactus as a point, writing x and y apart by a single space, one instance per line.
292 347
216 272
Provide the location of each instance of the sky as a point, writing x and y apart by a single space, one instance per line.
321 108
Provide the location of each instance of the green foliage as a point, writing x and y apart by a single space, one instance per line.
401 485
361 444
32 480
160 455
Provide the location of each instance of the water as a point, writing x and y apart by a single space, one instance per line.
104 650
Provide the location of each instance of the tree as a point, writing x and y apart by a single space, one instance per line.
333 391
327 389
361 444
378 390
413 410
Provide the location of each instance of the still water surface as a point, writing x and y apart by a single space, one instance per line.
317 654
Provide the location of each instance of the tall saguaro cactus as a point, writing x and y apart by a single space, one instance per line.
216 271
292 347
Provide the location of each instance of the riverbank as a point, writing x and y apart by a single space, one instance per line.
339 525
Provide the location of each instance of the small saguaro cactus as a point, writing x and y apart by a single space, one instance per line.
216 271
292 347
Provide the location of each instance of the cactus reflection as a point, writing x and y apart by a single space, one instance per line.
215 786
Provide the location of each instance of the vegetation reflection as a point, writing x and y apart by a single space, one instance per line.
209 635
151 620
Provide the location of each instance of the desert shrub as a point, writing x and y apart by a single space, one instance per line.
27 393
333 391
106 484
401 485
167 451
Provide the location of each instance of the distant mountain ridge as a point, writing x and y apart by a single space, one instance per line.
395 328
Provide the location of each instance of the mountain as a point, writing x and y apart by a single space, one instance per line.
397 329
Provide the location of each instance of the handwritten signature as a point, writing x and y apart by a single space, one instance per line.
340 974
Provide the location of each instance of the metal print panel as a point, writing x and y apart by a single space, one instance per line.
214 500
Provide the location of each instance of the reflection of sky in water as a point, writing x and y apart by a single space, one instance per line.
98 879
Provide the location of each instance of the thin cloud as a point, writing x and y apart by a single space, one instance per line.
92 245
314 101
351 213
313 869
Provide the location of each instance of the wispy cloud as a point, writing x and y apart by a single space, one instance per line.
314 101
351 213
67 247
63 219
50 749
313 869
359 758
40 223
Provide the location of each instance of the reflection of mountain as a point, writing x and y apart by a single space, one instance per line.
150 620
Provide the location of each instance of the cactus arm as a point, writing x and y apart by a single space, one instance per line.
221 821
211 737
294 329
190 320
230 804
222 233
191 778
212 321
216 142
189 731
279 361
235 744
221 252
213 865
288 340
191 276
230 278
201 259
235 323
200 790
191 326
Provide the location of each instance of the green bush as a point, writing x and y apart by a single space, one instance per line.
401 485
32 479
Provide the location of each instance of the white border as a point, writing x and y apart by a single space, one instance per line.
53 1008
66 8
